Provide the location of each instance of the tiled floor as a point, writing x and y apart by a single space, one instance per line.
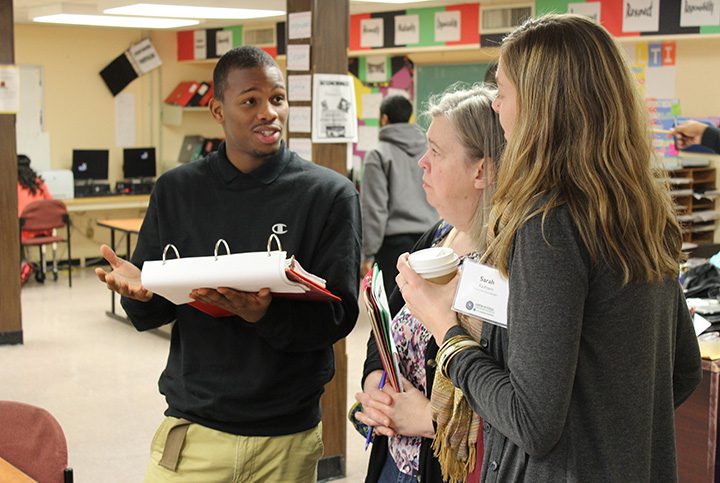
98 377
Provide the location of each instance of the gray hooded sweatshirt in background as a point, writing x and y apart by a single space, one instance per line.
392 197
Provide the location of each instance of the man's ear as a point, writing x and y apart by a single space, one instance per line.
384 120
484 173
216 110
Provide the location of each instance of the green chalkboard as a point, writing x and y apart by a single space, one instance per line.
434 79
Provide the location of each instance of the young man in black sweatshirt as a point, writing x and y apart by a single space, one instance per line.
243 392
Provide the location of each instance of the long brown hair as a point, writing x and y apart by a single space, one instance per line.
581 138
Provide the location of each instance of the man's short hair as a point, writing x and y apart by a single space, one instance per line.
246 57
397 108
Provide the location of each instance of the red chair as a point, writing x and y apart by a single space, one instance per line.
32 440
44 215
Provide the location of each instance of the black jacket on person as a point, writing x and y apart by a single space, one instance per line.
263 378
711 138
429 467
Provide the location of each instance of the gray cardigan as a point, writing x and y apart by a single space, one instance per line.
583 384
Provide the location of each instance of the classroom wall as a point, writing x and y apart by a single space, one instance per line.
698 76
79 108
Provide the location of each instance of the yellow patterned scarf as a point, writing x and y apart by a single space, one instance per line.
458 426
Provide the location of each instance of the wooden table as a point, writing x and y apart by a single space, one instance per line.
101 203
696 429
10 474
129 227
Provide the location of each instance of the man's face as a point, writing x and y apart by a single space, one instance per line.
253 111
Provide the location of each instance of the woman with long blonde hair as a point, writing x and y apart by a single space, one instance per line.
599 347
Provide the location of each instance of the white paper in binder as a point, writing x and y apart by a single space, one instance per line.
174 279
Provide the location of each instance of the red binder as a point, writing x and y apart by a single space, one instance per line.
316 293
179 92
205 100
201 91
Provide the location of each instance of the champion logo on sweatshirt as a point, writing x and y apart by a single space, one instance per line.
279 228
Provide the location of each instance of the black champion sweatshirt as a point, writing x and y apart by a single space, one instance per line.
263 378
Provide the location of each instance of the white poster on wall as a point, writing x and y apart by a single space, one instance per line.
301 146
299 87
298 57
589 9
698 13
125 120
334 110
145 56
299 25
641 15
371 105
9 89
367 138
660 82
300 119
376 68
223 42
372 32
407 29
447 26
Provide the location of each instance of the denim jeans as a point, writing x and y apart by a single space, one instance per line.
391 474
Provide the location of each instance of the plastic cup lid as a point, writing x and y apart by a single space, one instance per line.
431 258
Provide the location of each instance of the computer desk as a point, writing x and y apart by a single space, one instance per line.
100 203
128 226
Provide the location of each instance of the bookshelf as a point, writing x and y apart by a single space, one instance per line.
693 186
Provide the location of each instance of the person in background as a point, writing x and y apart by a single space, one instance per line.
599 348
394 209
465 142
243 392
31 187
694 132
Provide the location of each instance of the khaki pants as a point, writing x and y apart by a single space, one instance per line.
184 452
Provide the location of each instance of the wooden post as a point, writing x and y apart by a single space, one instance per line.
328 55
10 314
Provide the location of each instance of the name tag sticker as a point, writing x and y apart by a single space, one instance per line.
482 293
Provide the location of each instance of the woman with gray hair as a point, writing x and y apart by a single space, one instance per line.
464 144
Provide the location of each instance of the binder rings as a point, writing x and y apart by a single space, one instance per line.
174 279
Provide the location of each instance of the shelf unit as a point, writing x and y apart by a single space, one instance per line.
172 115
696 213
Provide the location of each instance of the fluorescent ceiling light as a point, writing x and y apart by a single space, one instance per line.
115 21
85 14
189 11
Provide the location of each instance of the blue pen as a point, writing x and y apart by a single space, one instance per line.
370 431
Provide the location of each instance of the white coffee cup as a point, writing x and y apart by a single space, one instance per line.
436 264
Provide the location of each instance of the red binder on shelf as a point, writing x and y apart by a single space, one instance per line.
182 94
174 279
205 100
201 91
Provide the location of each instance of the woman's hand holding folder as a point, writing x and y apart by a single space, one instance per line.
250 306
407 413
124 277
